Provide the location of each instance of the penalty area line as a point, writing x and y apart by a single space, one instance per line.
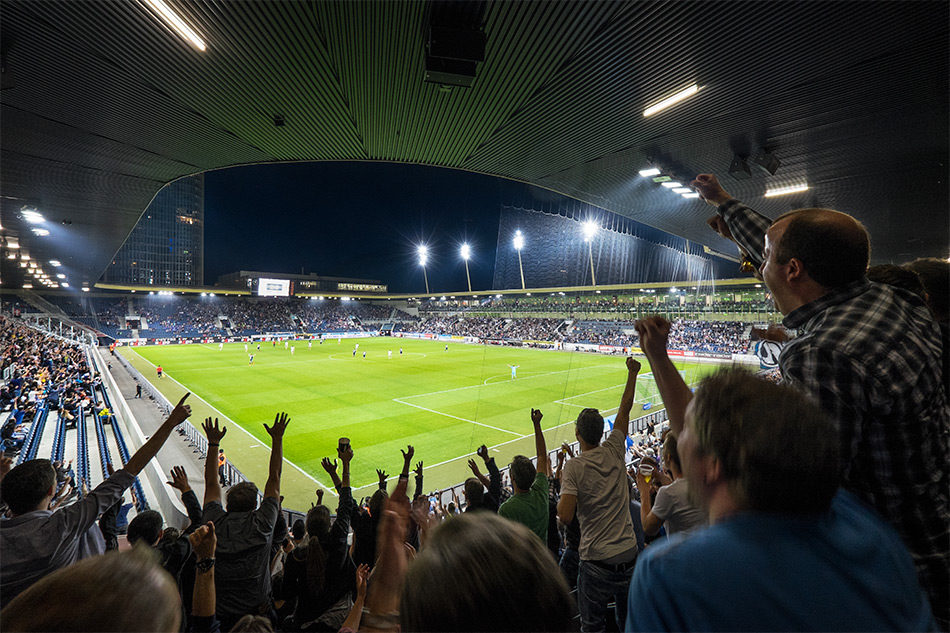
249 434
455 417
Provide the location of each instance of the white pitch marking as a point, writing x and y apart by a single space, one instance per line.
302 471
550 373
449 415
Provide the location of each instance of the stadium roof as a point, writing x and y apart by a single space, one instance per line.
102 105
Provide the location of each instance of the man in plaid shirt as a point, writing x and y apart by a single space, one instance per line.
870 355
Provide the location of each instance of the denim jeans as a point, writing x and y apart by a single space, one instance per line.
596 587
568 564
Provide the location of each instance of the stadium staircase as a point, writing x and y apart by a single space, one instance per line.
42 305
32 444
564 328
82 449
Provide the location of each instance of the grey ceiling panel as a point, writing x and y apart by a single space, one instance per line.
107 105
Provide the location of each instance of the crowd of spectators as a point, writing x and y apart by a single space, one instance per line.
817 504
43 371
679 301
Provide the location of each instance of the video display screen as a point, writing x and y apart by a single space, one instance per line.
273 287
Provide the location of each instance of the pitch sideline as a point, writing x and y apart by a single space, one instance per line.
249 434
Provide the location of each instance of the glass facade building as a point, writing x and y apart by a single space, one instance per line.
166 247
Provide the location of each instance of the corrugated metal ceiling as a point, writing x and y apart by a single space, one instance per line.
106 105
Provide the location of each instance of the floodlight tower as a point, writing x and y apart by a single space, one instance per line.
590 229
466 253
423 251
519 244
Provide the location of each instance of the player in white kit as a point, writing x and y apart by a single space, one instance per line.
220 346
291 350
389 354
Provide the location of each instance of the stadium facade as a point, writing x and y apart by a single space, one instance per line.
166 247
623 251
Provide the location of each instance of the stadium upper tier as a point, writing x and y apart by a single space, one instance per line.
174 317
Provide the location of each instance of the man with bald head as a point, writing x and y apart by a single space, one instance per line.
870 355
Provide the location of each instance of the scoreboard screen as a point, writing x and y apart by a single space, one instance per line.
273 287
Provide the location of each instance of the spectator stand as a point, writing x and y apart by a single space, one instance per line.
141 503
82 448
59 440
152 478
32 444
104 458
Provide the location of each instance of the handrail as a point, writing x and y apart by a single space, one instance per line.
32 445
82 448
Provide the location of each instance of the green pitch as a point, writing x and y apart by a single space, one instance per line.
444 403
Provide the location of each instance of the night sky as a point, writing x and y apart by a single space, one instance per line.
357 220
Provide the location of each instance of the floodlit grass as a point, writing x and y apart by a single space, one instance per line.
444 403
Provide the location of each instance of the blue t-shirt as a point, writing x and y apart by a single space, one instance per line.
845 570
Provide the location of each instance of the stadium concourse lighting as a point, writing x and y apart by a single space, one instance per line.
781 191
590 229
178 25
423 251
519 244
466 251
669 101
653 171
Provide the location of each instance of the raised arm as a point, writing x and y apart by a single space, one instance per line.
385 584
276 432
346 456
203 542
150 448
742 225
418 472
214 433
622 421
179 481
478 474
654 332
540 447
331 467
406 461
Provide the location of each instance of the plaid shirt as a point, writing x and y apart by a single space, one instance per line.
870 354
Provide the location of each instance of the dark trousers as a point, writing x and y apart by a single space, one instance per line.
570 561
596 588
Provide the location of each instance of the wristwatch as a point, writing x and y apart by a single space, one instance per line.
204 565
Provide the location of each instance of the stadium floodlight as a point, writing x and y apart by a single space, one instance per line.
682 190
85 288
671 184
466 251
590 229
423 252
177 24
55 262
32 215
64 285
519 244
690 195
653 171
